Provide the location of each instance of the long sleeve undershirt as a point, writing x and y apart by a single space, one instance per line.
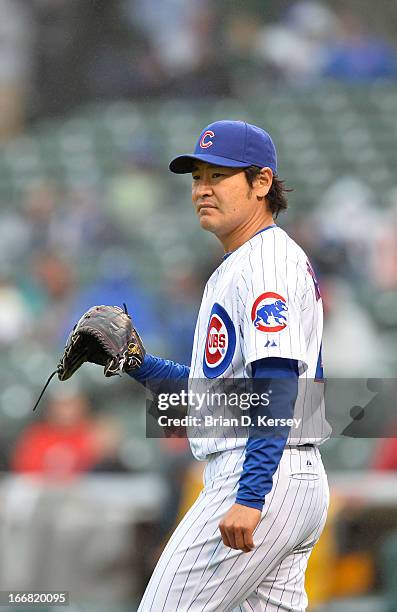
263 452
156 368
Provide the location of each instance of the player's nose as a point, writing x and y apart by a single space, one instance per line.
202 188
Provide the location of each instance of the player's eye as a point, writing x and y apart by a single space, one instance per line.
214 175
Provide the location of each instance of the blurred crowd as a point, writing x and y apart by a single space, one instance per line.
63 250
139 50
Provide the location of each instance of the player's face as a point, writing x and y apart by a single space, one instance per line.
225 203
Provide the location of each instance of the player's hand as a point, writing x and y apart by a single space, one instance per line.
238 525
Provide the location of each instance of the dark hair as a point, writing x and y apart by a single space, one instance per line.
276 198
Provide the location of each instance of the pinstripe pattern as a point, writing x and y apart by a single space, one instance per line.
270 261
197 573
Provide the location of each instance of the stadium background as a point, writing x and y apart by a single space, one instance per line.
95 98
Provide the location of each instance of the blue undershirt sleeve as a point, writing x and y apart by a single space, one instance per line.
155 369
265 446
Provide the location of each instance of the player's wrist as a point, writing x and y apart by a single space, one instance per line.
140 369
257 504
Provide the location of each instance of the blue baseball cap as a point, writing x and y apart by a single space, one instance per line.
234 144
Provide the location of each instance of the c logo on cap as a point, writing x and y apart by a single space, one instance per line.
205 141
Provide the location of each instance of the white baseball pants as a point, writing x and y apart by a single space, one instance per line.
198 573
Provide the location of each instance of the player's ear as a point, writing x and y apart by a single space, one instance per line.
263 182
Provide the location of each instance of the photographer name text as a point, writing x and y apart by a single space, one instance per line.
220 421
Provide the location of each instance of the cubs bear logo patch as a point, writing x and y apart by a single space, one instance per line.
269 312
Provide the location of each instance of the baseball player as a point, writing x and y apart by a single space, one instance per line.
245 543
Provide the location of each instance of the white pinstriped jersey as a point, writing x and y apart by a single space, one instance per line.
262 301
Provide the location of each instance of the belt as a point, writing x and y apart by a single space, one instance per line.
302 446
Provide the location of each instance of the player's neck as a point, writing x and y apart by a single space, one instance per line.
242 234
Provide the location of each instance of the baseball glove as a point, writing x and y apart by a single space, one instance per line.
104 335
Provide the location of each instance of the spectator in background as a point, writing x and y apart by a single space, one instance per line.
55 276
171 27
107 435
50 291
118 58
70 220
69 440
340 234
294 49
14 237
39 206
184 288
79 226
385 454
358 55
138 181
385 457
349 329
15 314
343 242
115 282
347 199
184 37
16 40
384 275
61 445
239 35
384 263
65 40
